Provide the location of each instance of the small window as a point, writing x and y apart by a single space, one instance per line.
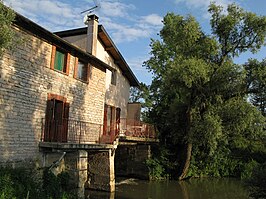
113 77
81 70
60 60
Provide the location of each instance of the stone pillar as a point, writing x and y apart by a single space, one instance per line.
82 171
101 174
77 167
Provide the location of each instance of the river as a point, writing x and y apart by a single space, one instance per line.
192 189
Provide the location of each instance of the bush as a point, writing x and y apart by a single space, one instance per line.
257 182
57 186
160 168
23 183
20 183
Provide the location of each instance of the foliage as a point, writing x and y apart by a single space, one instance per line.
7 16
141 95
257 182
28 183
57 186
256 83
200 96
19 183
159 165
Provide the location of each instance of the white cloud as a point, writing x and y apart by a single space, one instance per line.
202 5
117 17
152 19
115 9
52 14
130 34
136 63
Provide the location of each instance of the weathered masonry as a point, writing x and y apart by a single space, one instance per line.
64 102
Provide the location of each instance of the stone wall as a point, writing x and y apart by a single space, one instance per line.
101 174
116 95
25 81
130 160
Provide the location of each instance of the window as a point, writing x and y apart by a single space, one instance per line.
81 70
60 60
113 77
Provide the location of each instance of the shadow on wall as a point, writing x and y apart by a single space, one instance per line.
25 81
22 99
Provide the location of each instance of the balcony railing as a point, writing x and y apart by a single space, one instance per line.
81 132
135 128
71 131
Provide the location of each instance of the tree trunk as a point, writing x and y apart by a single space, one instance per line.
185 161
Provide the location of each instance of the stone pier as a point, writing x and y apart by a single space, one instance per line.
101 174
130 160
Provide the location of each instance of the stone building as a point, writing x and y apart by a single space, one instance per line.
61 98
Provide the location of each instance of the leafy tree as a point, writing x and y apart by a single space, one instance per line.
141 95
256 83
198 93
7 16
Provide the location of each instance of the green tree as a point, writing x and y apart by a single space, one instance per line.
7 16
256 83
142 95
197 87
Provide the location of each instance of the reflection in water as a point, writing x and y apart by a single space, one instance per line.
192 189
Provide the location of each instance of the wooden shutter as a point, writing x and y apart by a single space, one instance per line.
48 120
58 117
65 122
53 57
88 72
76 68
117 118
112 121
105 120
67 64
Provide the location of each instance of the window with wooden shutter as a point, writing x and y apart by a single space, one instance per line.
60 60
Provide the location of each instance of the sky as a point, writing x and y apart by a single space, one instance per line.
130 23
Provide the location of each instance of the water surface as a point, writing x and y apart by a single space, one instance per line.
206 188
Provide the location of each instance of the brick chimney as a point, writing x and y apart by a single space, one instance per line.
92 33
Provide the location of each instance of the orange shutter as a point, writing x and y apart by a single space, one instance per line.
76 68
65 122
88 72
53 57
67 63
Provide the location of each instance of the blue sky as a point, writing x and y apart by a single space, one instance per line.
130 23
